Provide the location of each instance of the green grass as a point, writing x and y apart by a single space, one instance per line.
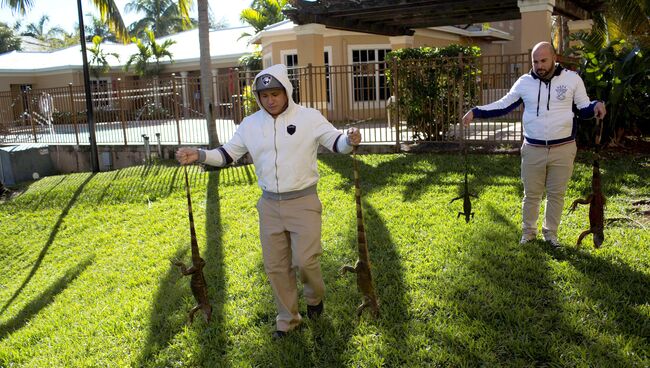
86 279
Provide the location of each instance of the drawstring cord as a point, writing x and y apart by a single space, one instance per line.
548 98
539 89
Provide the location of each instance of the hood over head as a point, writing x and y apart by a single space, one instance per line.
275 76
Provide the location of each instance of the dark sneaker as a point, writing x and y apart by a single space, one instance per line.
553 242
277 335
314 311
527 238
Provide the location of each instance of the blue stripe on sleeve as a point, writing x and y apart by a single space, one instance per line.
588 112
478 113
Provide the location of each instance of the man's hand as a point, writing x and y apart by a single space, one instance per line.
599 110
468 117
186 156
354 136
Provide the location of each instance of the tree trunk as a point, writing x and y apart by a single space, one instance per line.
206 72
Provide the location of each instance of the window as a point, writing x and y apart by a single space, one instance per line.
369 75
291 61
100 92
328 88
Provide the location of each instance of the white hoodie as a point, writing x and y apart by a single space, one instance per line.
283 149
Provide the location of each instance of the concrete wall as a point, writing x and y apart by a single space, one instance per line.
69 159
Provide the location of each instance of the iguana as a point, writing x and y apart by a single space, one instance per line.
467 203
362 267
596 201
197 282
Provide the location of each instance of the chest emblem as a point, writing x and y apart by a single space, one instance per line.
291 129
561 92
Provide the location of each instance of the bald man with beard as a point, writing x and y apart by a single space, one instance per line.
548 93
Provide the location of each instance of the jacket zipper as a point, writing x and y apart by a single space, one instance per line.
275 146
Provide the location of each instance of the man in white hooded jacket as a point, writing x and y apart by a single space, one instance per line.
548 93
282 139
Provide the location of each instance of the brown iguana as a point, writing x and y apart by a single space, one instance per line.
596 201
362 267
197 282
467 203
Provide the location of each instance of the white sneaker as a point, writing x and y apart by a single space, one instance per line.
527 238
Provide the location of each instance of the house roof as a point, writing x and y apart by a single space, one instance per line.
402 17
286 27
225 45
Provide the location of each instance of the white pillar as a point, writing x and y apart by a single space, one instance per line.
536 22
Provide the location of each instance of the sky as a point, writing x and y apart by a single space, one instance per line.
63 13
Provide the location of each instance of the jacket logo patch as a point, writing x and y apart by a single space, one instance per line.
561 92
291 129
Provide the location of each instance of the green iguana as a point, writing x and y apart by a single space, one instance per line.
197 281
596 201
467 203
362 267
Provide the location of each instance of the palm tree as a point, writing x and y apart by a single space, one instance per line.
96 27
108 11
262 13
164 17
41 33
148 50
622 19
99 58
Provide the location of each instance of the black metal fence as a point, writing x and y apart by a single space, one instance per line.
371 96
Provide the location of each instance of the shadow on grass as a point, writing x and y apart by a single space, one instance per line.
214 341
39 303
617 289
424 171
169 312
48 243
508 308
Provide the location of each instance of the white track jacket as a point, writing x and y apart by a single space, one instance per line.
283 149
548 106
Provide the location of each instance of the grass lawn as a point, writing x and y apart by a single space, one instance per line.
86 278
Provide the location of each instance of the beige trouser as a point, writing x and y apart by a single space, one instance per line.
547 168
290 231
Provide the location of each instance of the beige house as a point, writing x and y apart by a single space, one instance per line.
346 81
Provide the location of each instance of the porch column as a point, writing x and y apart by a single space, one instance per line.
535 22
310 44
576 26
401 42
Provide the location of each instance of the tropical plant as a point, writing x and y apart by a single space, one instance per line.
40 32
262 13
98 58
163 17
622 19
252 61
430 81
108 11
96 27
618 74
148 51
9 41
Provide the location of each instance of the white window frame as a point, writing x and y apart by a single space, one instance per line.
357 105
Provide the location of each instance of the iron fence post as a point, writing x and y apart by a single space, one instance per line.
121 102
175 103
73 114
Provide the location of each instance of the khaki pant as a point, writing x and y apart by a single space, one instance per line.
290 231
543 168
